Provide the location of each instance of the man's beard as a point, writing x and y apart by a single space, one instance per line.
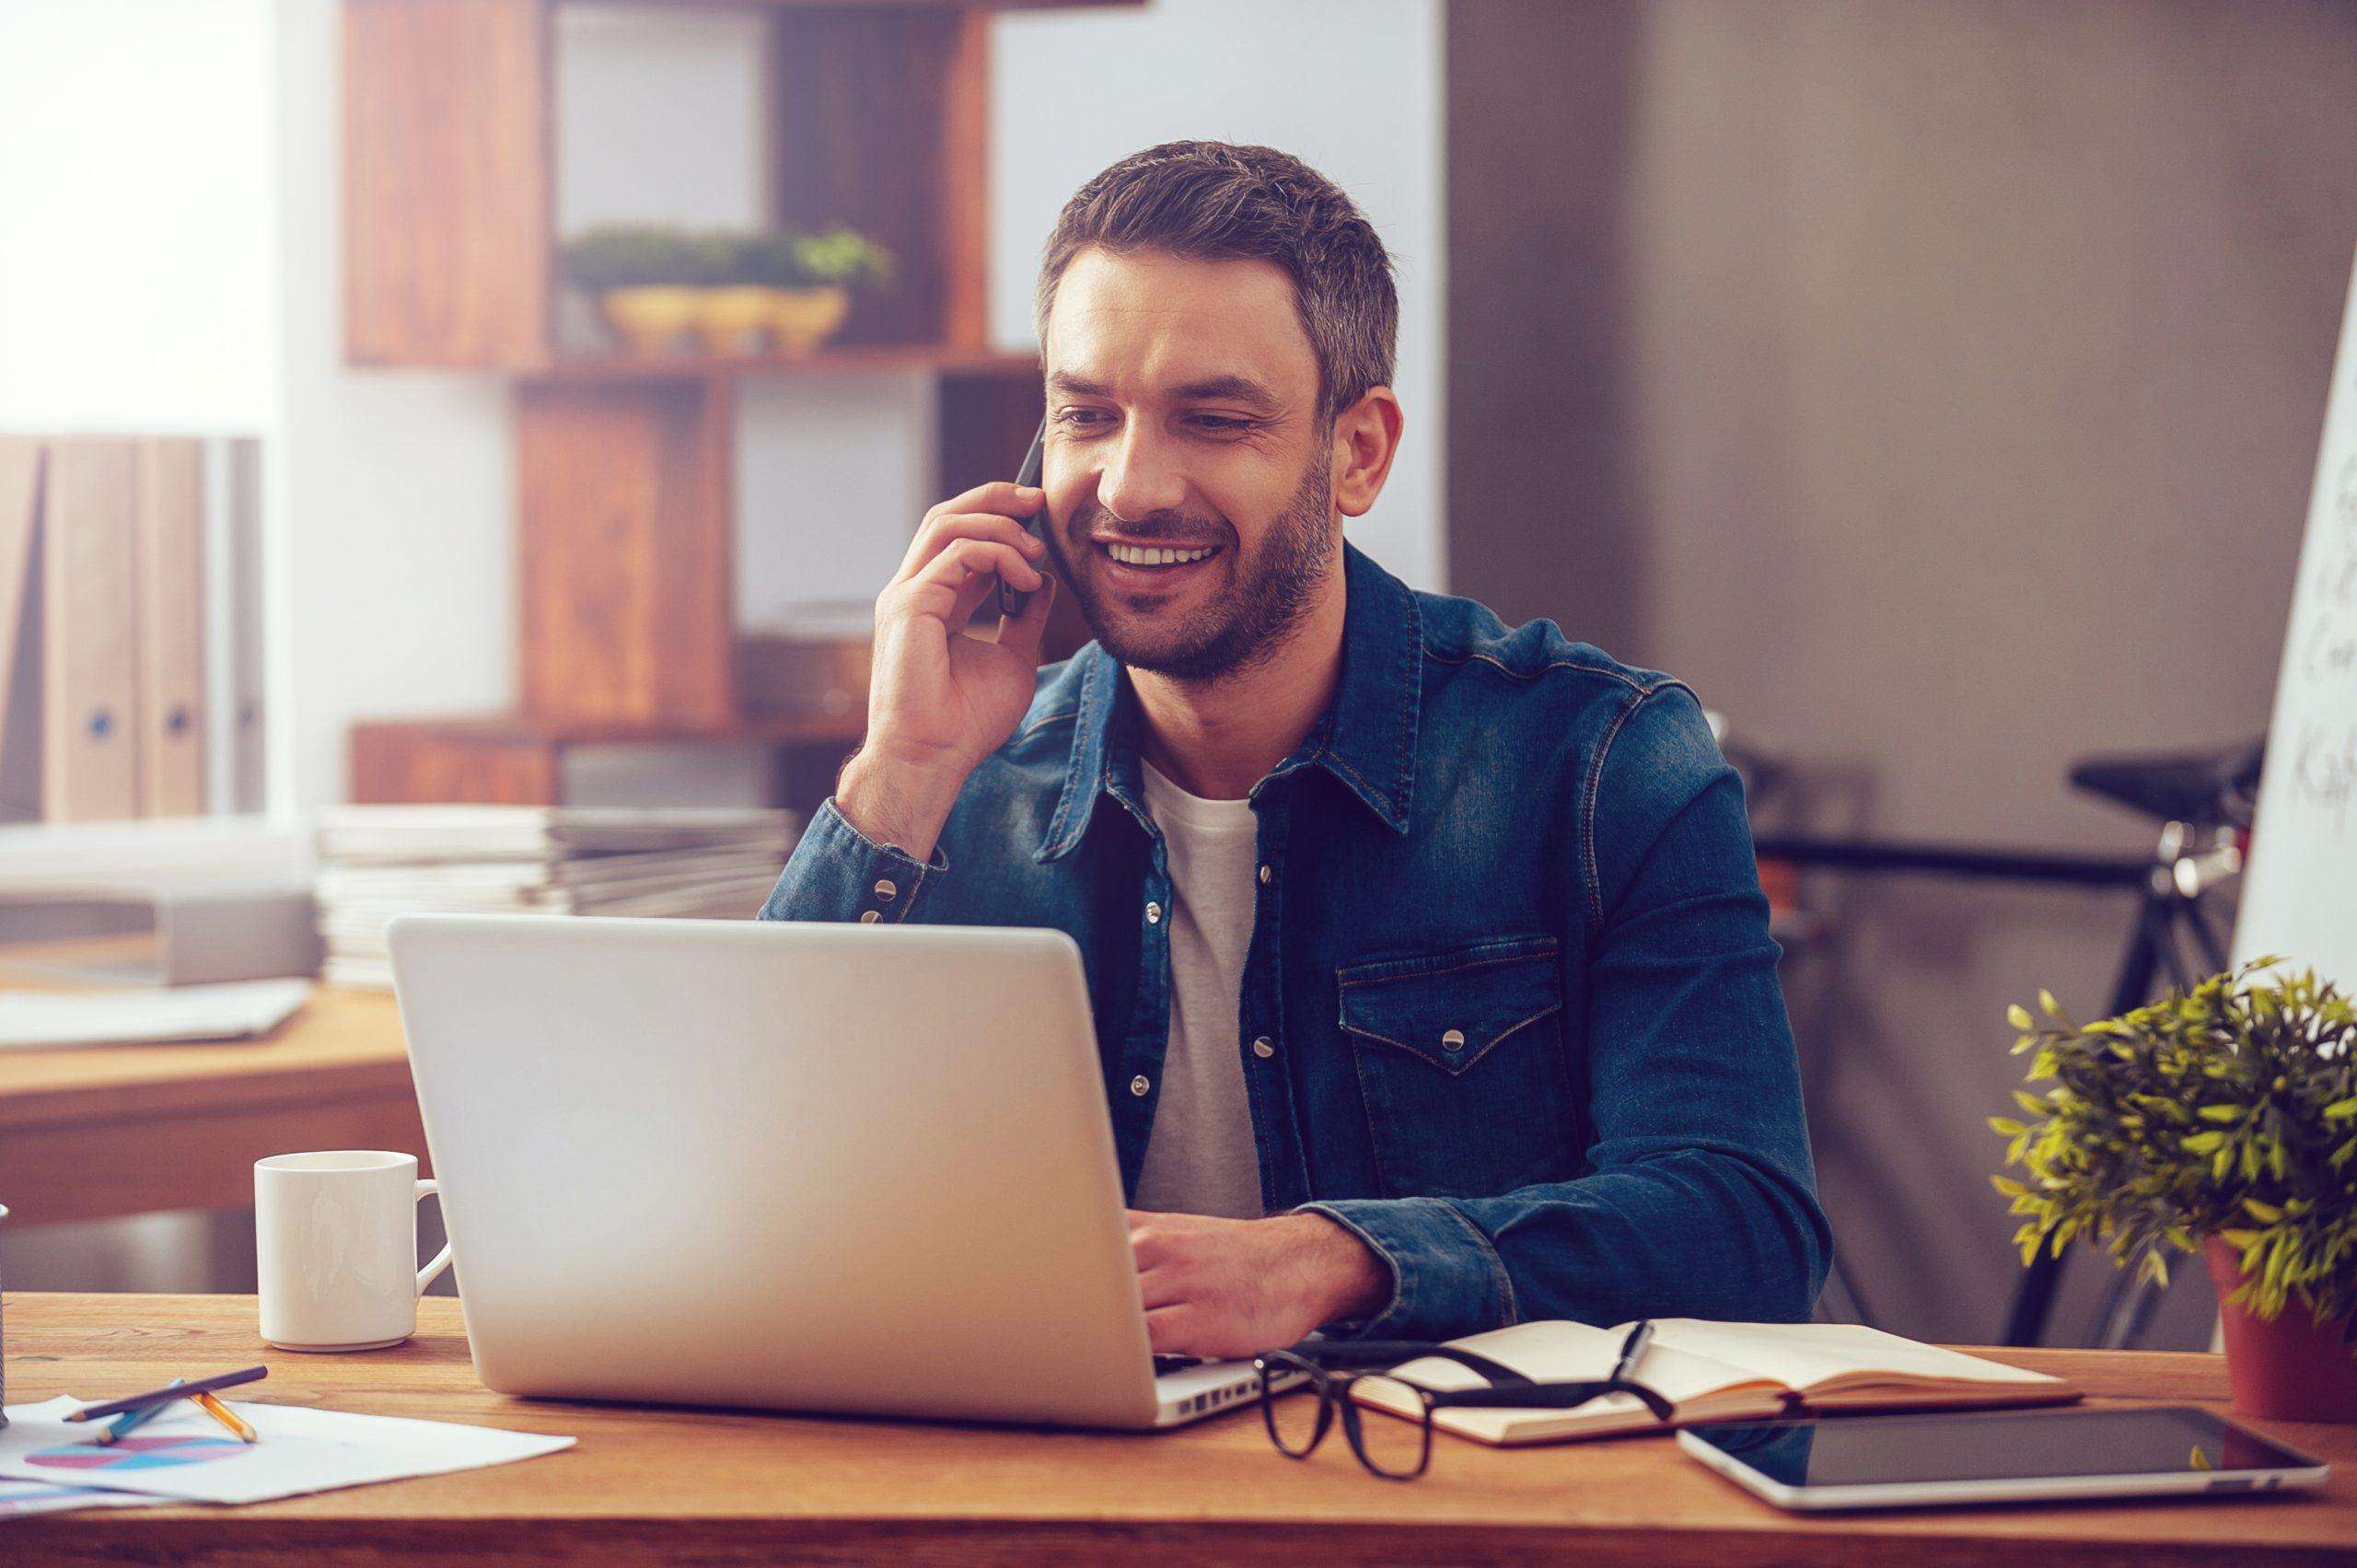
1238 631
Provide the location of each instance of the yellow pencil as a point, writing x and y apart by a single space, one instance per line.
226 1417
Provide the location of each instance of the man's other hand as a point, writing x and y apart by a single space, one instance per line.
1227 1288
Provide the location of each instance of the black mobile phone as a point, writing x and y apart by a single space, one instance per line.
1012 600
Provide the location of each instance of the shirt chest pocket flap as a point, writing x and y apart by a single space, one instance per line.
1460 1057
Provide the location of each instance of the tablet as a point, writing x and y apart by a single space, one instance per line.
1895 1461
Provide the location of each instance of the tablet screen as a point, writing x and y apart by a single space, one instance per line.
1890 1450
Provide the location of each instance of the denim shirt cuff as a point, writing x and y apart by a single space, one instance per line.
1446 1278
839 873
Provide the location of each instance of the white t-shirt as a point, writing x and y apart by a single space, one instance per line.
1199 1157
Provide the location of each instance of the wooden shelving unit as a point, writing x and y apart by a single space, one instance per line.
625 508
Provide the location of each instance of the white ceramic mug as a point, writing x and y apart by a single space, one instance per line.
336 1236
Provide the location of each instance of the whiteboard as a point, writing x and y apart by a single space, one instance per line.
2300 892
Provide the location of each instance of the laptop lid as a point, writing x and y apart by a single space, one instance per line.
791 1166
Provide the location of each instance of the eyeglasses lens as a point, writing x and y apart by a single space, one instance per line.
1290 1413
1393 1436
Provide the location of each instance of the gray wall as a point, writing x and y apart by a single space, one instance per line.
1936 388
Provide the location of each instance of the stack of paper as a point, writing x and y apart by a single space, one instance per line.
48 1463
380 861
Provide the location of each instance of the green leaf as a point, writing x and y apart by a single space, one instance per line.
2018 1016
2222 1113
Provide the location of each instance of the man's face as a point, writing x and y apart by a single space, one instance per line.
1183 421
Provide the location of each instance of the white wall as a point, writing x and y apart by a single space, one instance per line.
137 214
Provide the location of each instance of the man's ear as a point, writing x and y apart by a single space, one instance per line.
1366 437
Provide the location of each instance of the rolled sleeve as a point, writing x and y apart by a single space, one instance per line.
1446 1278
838 873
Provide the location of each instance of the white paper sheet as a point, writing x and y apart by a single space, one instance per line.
19 1498
229 1011
185 1453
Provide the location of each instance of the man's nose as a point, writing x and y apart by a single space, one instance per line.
1142 475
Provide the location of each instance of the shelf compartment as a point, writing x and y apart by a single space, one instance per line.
625 509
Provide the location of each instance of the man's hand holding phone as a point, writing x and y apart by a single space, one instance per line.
939 701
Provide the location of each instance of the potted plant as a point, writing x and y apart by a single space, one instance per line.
646 279
731 307
2225 1120
807 279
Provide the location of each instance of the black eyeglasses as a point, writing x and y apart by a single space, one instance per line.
1400 1450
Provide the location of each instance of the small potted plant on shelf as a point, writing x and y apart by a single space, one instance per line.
731 307
808 279
646 278
2223 1120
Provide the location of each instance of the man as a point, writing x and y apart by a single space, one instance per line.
1431 973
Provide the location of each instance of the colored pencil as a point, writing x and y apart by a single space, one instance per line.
173 1391
226 1417
125 1422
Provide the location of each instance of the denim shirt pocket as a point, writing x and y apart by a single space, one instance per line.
1460 1061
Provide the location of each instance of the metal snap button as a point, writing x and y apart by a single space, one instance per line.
1265 875
886 891
1453 1041
1264 1048
868 917
1152 917
1138 1086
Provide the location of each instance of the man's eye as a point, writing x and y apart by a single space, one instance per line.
1221 424
1077 416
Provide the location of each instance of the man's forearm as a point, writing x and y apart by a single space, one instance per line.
1691 1234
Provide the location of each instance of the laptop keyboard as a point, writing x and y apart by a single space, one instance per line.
1164 1364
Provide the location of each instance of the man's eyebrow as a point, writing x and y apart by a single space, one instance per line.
1211 389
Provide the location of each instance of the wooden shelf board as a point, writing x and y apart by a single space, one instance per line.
879 5
853 359
527 729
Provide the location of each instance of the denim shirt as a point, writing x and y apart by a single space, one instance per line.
1509 1012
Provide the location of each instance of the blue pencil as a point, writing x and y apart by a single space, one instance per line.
125 1423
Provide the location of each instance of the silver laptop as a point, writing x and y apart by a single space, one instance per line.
795 1166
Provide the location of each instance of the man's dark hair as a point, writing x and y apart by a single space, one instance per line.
1218 202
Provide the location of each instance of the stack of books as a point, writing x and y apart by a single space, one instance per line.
380 861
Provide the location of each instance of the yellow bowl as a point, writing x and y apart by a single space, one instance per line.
733 319
650 320
802 319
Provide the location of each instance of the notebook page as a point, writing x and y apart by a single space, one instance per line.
1559 1352
1802 1355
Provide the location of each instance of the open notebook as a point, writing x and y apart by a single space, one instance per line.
1712 1372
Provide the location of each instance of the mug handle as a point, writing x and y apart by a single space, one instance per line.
433 1270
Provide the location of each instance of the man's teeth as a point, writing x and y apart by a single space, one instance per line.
1138 555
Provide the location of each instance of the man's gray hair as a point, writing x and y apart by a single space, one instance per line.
1219 202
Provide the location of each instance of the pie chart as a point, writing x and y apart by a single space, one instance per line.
136 1453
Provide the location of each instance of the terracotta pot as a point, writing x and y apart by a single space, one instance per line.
2287 1370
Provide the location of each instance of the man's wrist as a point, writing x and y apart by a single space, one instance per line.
1351 1280
897 802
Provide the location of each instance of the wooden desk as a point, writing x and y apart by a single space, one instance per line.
107 1130
646 1486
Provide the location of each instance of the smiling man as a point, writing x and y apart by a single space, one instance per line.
1431 973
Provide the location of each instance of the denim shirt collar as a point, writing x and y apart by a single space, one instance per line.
1365 739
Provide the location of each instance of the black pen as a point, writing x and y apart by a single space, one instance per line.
1632 1350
